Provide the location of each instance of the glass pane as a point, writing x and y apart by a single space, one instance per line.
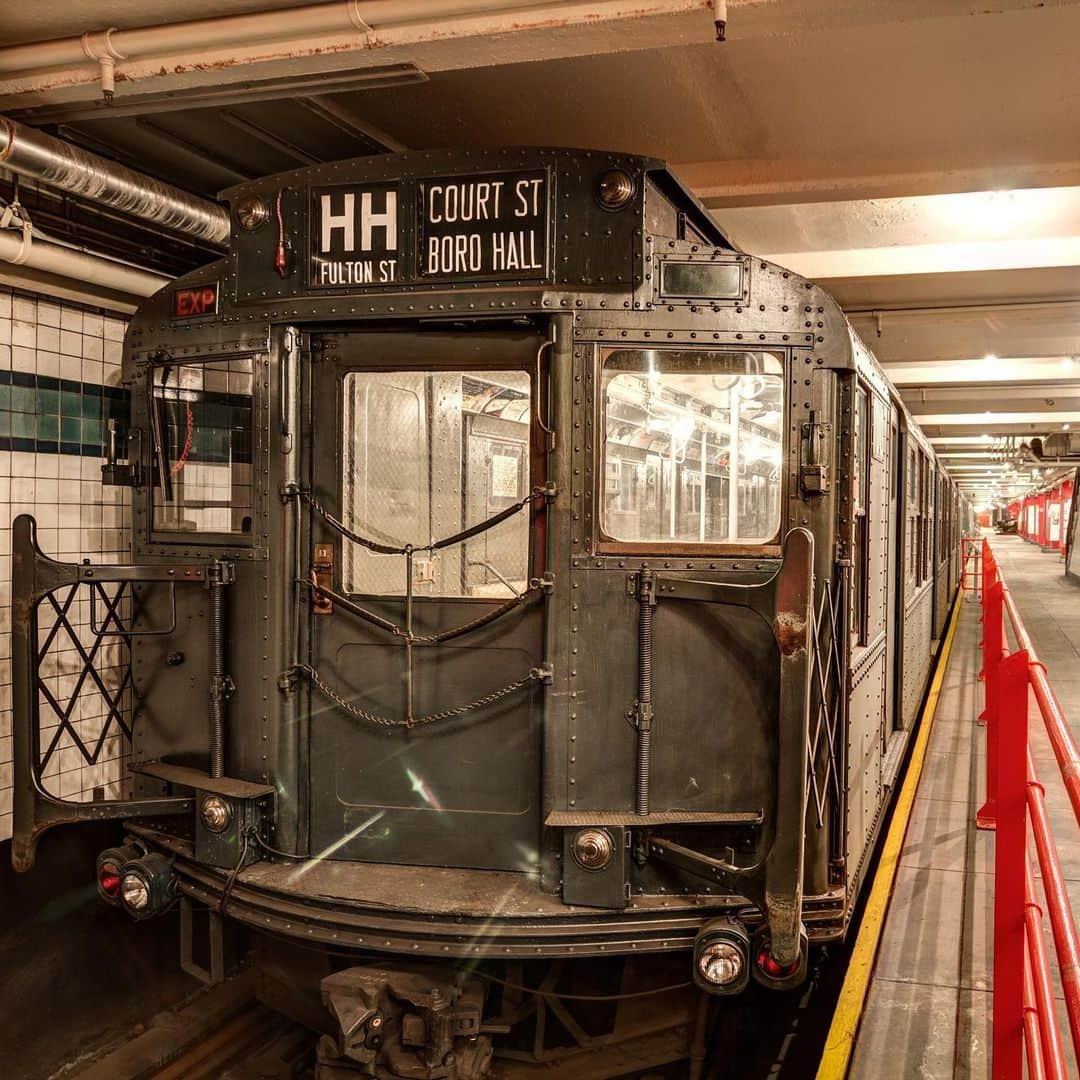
201 428
429 454
694 446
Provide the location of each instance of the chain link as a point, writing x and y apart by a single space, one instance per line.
536 675
547 492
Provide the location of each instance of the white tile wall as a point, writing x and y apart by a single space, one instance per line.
77 518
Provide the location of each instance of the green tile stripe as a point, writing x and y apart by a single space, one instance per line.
45 415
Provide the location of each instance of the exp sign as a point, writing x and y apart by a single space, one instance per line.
191 303
492 225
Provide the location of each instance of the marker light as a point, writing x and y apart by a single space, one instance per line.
109 865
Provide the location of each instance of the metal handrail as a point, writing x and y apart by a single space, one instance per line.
1025 1023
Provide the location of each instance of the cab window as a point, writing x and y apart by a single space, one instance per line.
693 447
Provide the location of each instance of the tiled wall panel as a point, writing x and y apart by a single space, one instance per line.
59 384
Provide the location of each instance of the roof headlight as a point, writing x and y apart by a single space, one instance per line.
252 212
615 189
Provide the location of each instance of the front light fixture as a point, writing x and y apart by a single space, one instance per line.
147 885
722 957
109 865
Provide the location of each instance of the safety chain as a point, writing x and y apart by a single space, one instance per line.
537 587
547 492
537 674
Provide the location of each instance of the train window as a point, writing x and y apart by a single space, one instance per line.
693 447
201 430
426 455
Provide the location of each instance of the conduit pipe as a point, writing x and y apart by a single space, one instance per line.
340 26
33 154
65 262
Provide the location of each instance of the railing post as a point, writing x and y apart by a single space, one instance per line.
993 653
1010 859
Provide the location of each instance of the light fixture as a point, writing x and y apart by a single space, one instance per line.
615 189
593 848
109 864
722 957
135 891
216 813
148 885
252 212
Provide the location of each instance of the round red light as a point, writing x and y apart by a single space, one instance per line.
768 964
109 880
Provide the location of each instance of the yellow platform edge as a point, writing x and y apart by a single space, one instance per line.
840 1042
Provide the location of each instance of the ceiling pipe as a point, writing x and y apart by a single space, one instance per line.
70 263
111 55
35 155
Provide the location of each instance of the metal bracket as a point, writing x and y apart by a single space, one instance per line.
547 583
216 936
221 572
813 475
544 673
726 872
222 686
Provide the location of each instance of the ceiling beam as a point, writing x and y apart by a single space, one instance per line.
267 138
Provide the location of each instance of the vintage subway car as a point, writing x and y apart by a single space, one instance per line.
520 573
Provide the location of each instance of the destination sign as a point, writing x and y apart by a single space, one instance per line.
493 225
490 226
354 236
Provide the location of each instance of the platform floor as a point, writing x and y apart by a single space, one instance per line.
928 1011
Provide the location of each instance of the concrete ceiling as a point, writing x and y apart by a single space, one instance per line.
921 158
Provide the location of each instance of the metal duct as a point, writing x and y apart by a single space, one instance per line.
34 154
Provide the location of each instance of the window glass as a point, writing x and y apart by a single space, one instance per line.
426 455
201 431
693 446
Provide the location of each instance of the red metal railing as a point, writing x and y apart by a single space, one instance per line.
1025 1025
971 566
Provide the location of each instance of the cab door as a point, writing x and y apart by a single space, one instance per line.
425 614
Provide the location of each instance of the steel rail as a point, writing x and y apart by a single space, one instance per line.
1036 1065
1053 1050
1057 727
1062 922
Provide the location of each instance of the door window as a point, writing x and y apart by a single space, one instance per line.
426 455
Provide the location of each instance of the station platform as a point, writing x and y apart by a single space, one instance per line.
929 1006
